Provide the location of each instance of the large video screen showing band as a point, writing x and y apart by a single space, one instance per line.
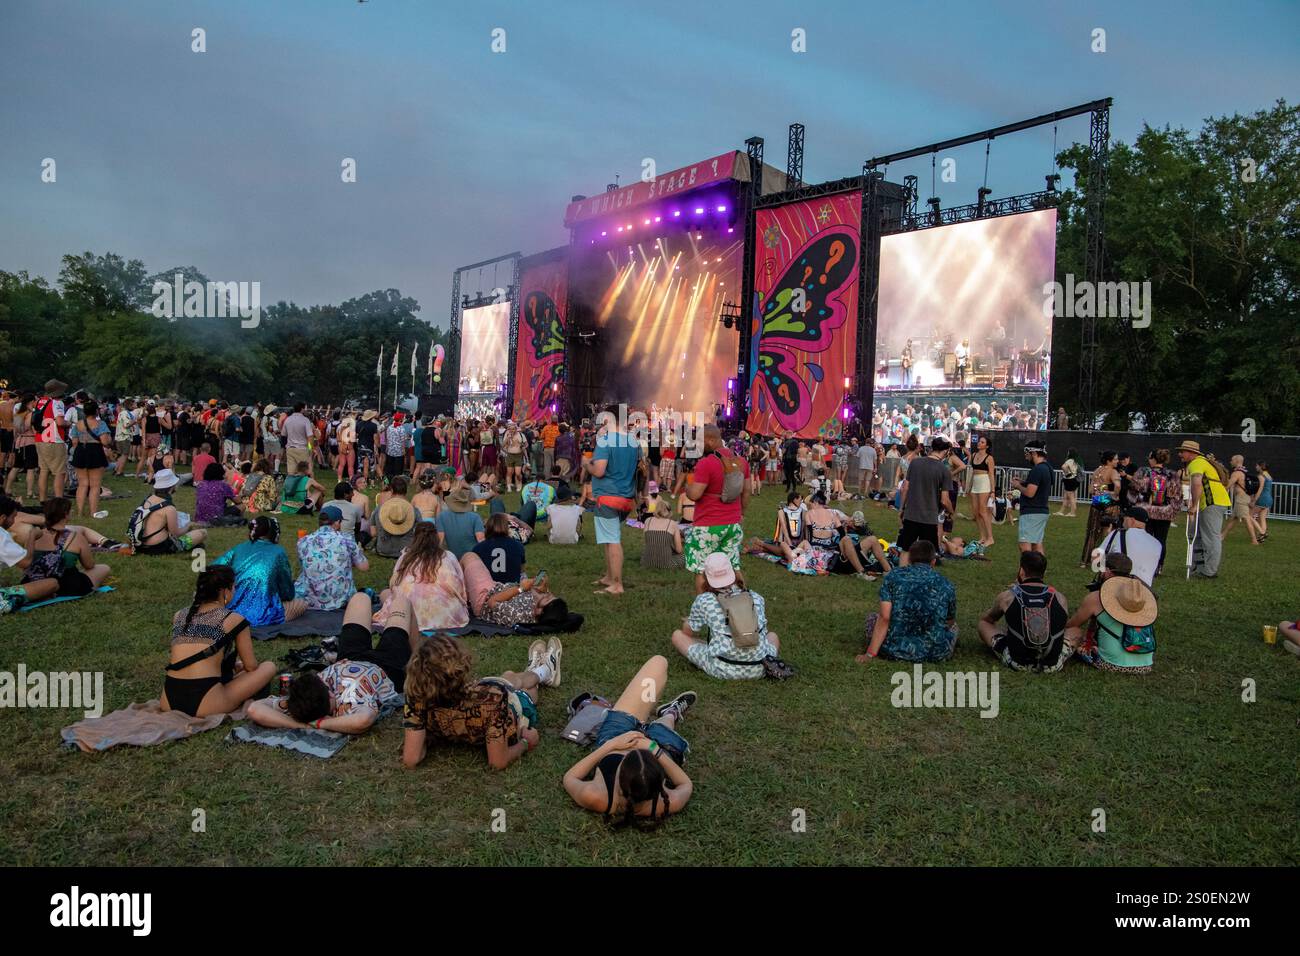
804 341
654 306
539 358
961 307
484 347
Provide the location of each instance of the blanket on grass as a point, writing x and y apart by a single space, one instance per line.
55 600
139 725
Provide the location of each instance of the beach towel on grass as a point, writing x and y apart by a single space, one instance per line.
55 600
484 628
316 743
139 725
309 624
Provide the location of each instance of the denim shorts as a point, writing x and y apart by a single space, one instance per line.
620 722
1032 528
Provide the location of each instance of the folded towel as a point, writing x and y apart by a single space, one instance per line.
139 725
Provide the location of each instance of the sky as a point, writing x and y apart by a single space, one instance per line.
230 160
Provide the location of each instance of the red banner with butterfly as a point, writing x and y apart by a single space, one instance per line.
539 359
805 320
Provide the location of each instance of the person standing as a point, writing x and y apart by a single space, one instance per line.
367 429
924 492
49 431
790 461
1034 492
1206 510
1241 499
297 433
550 432
613 468
719 510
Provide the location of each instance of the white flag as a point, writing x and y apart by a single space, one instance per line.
430 372
379 368
396 352
415 352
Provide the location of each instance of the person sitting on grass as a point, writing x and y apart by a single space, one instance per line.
662 548
635 770
539 493
459 524
58 553
261 492
263 579
11 552
501 553
820 549
429 578
1113 628
736 622
499 714
326 558
350 694
157 523
1033 638
791 528
917 620
565 517
426 500
215 501
302 493
861 552
213 668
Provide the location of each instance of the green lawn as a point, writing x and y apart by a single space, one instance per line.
1186 772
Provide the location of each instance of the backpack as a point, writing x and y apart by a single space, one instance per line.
135 524
1158 491
1039 620
1135 640
733 477
742 618
1252 483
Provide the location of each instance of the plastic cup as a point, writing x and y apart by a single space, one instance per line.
302 532
101 515
1270 633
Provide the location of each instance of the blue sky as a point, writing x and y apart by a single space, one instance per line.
230 160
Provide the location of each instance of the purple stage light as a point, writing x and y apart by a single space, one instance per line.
729 229
620 228
603 233
699 210
646 223
731 384
657 218
677 212
722 209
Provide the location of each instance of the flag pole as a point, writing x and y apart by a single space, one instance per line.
380 370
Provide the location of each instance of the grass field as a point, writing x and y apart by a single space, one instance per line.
1186 772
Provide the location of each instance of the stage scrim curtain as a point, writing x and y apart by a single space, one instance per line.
539 360
805 323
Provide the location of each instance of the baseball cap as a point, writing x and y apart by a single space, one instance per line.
718 570
329 514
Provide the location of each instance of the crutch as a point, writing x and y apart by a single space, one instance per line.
1192 532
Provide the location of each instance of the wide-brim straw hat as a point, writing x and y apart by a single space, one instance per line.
54 388
1193 446
396 516
1129 601
370 415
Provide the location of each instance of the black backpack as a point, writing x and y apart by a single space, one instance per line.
1036 619
1252 483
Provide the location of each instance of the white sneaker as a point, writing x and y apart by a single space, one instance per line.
554 650
536 653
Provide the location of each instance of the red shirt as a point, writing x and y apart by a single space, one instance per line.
201 462
710 509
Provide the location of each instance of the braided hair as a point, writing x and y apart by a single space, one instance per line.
211 582
641 777
264 528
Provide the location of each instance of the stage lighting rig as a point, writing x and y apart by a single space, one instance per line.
1052 180
933 203
730 315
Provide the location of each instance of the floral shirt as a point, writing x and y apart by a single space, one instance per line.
922 601
357 684
327 558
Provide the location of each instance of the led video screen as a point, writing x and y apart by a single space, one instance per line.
484 347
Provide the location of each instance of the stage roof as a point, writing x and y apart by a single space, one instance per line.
717 169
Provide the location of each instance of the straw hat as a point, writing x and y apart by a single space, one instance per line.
54 388
1128 600
396 516
459 500
370 415
270 409
1193 446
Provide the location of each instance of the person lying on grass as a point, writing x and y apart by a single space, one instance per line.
861 552
636 768
350 694
499 714
213 667
726 655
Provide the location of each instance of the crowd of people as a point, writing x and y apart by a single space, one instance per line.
459 557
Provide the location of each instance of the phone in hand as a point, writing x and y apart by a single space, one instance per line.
539 578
